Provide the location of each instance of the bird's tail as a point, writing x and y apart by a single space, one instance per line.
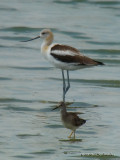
83 121
99 63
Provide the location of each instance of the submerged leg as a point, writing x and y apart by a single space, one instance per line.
70 134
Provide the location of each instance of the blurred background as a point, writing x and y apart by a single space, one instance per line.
30 86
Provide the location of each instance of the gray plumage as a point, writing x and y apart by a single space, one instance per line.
70 119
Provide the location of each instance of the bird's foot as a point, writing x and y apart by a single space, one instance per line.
70 134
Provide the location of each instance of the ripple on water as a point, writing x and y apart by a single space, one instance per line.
5 78
76 35
23 136
103 43
16 108
103 51
8 100
44 152
20 29
54 126
105 2
23 156
101 82
23 29
32 68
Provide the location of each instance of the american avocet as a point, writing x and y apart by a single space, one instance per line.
63 56
70 119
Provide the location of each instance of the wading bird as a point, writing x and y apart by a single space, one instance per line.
63 57
70 119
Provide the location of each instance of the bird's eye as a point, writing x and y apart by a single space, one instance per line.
43 33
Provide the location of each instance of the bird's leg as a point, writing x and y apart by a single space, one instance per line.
65 89
74 134
68 81
70 134
64 86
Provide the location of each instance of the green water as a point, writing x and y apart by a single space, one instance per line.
30 87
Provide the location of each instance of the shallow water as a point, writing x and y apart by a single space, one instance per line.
30 87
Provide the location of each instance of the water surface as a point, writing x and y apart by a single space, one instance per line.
30 87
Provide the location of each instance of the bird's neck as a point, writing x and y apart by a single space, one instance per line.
63 110
46 43
48 40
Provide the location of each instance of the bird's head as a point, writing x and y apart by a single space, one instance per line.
45 34
61 104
